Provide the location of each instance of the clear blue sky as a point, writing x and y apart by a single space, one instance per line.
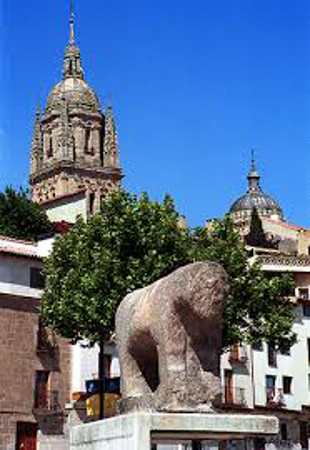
195 85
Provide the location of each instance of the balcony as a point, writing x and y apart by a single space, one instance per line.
275 398
238 354
234 397
46 401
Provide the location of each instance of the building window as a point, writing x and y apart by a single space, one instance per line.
283 431
306 310
272 355
91 202
270 387
36 278
88 147
287 385
303 293
258 346
229 391
26 435
286 351
41 389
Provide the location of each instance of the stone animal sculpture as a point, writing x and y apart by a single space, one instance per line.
169 341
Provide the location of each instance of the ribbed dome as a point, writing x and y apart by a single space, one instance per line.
264 204
75 93
255 198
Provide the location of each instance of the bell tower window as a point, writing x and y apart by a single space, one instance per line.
89 150
70 67
50 146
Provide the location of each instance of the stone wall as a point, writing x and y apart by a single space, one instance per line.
20 359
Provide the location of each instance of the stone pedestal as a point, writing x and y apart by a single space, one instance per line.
138 431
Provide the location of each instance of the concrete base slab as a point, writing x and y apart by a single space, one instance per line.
138 431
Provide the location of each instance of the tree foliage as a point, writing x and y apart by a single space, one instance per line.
134 242
21 218
256 236
258 306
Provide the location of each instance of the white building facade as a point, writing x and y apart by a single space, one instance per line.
260 379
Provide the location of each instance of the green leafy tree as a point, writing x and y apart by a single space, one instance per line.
258 306
130 244
256 236
20 217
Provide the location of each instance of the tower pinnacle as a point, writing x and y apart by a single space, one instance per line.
72 61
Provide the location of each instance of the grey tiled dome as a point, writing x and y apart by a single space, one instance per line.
262 202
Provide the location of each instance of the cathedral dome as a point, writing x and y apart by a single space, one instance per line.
75 93
264 204
256 198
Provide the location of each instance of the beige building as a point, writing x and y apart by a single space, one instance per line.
74 152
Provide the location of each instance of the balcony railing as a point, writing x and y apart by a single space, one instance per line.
47 401
275 397
233 396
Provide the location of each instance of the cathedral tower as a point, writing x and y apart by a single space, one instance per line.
74 151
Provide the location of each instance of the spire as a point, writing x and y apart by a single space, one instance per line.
72 62
71 41
110 146
253 176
